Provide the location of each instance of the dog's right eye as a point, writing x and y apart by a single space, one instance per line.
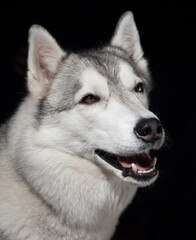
89 99
139 88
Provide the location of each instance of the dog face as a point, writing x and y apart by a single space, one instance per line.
95 103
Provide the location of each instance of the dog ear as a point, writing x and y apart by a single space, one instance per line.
126 36
43 57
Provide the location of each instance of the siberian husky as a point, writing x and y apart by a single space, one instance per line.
77 149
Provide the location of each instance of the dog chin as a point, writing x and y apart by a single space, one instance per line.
138 169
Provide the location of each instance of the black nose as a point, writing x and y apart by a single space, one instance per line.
149 129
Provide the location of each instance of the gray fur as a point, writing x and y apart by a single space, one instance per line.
53 184
67 82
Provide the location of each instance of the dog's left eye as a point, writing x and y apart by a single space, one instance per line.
89 99
139 88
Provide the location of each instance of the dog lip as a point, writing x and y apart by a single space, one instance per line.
141 166
140 175
109 158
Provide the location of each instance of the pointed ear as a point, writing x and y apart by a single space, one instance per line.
43 58
126 36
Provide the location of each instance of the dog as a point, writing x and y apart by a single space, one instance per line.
78 147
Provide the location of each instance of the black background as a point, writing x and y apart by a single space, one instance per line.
165 210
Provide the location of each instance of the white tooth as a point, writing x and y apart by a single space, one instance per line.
134 168
154 161
146 171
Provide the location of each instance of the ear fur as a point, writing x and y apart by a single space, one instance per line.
126 36
43 58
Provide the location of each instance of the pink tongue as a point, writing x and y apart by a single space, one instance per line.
144 164
125 162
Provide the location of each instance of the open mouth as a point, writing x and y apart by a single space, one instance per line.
141 166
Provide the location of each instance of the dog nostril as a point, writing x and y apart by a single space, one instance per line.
149 129
145 131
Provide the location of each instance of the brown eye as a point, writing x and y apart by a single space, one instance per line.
89 99
139 88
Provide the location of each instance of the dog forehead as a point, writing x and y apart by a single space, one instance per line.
127 75
107 73
93 81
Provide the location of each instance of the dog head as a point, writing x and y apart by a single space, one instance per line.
95 103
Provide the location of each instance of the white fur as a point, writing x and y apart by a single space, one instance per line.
93 82
130 80
79 193
127 38
52 184
44 55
